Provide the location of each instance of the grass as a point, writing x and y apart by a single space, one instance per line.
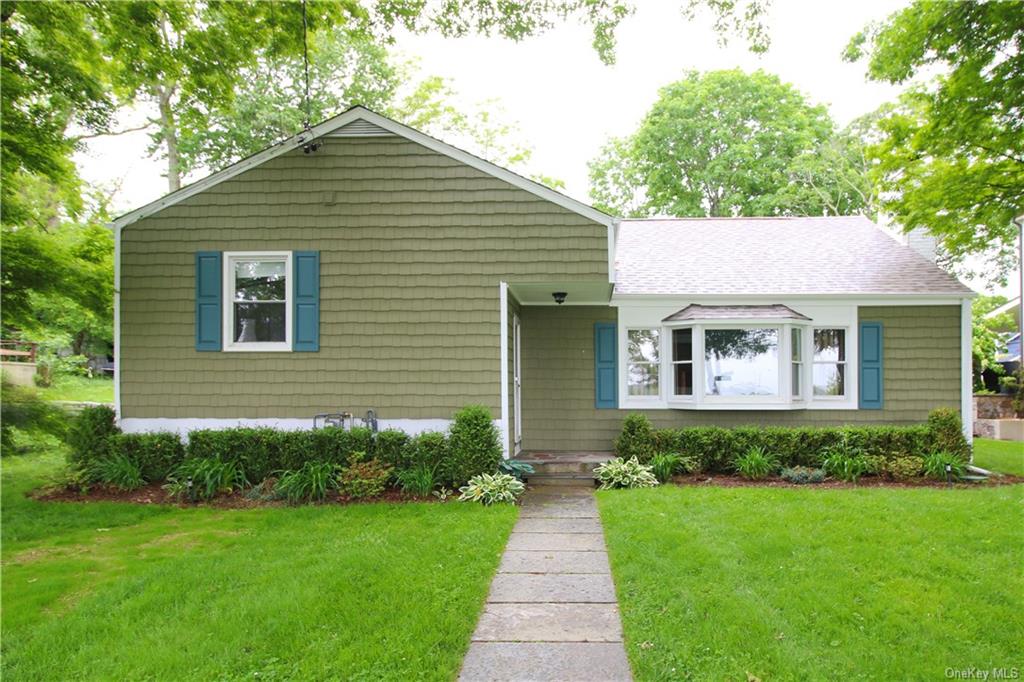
785 584
1004 456
119 591
80 389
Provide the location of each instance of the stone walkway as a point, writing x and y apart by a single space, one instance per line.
551 613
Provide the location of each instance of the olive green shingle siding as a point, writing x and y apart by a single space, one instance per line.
921 356
412 244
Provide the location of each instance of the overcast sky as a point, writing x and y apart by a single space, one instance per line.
567 103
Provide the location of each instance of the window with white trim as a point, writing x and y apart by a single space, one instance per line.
643 366
258 290
829 363
796 344
682 362
741 362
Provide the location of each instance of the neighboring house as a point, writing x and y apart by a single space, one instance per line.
386 270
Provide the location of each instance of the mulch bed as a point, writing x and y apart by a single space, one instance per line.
155 494
728 481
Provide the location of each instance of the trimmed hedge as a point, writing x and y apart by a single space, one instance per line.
716 449
156 454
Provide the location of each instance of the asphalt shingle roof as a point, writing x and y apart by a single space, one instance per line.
695 311
771 256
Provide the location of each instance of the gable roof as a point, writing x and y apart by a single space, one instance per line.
771 256
359 121
695 311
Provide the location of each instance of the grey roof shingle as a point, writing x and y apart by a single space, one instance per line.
695 311
771 256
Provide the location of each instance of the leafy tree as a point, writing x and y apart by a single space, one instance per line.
989 335
729 143
951 157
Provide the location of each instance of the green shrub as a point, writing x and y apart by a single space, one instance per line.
513 467
418 480
637 439
309 483
904 468
492 489
620 473
934 466
803 475
201 479
116 470
947 433
877 464
156 454
429 448
756 463
474 445
664 465
363 479
389 447
89 436
846 462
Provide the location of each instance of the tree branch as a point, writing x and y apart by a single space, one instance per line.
113 133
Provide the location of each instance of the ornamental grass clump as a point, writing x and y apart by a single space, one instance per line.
492 489
620 473
664 465
935 464
201 479
309 483
418 480
756 463
118 471
846 463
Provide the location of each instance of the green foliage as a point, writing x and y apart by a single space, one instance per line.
89 436
934 466
950 157
429 448
636 439
389 446
310 483
198 479
947 433
846 462
727 143
418 480
474 445
156 454
904 468
756 463
514 467
362 480
22 408
802 475
117 470
491 489
620 473
664 465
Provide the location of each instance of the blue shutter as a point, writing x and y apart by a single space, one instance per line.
306 303
209 287
606 380
870 366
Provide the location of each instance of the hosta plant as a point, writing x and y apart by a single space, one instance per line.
620 473
492 489
514 467
309 483
756 463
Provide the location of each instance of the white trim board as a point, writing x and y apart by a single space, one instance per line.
117 319
966 372
503 385
359 113
182 425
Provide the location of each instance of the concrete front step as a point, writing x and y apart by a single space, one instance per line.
585 479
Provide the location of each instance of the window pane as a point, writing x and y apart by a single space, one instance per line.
643 345
742 362
830 379
260 280
797 380
796 340
683 379
682 344
259 322
643 379
830 345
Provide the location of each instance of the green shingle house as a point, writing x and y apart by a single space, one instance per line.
366 266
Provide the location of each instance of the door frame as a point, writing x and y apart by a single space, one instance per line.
517 385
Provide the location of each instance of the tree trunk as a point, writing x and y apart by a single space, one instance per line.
169 132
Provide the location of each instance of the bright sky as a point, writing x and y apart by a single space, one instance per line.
567 103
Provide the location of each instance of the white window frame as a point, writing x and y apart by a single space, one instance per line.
845 395
669 331
660 364
232 257
798 393
781 397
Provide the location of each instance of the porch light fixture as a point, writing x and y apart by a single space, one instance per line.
559 297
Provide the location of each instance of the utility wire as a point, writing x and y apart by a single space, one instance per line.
305 63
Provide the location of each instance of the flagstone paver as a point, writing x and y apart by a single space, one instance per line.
551 613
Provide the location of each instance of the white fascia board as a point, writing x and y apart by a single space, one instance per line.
117 319
745 299
361 113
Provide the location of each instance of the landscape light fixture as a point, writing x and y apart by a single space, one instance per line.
559 297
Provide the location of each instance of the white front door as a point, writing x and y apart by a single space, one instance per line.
517 388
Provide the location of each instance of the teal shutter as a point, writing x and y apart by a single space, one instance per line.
606 381
870 366
209 287
306 303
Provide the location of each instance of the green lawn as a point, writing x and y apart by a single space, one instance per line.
1004 456
115 591
786 584
80 389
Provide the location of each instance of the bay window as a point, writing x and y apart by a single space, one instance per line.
643 367
829 363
